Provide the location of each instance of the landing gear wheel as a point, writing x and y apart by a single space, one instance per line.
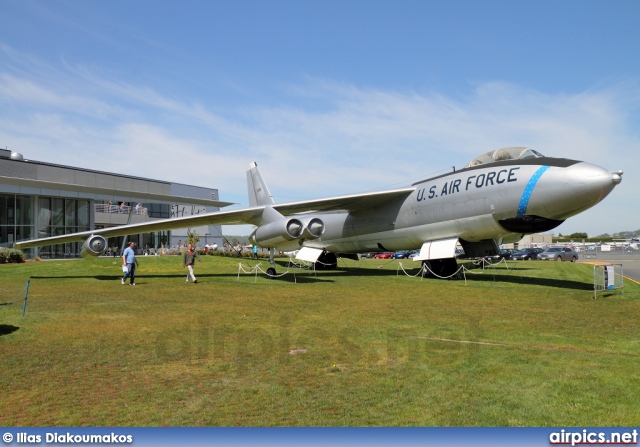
327 261
441 268
271 273
447 267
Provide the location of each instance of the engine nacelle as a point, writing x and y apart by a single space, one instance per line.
93 247
313 228
284 233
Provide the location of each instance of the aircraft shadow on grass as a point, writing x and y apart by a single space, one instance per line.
514 278
6 329
302 276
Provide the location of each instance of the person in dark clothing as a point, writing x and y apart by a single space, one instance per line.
188 260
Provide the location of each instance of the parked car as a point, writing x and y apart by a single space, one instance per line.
559 254
526 254
403 254
383 255
505 253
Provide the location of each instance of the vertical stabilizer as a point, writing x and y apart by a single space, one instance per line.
258 192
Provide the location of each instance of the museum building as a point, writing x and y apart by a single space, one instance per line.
39 199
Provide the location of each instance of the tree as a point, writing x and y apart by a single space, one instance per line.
578 235
192 238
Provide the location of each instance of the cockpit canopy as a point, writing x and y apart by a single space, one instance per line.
508 153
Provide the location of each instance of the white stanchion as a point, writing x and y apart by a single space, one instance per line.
258 269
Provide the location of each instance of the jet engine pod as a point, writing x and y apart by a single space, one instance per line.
93 247
314 228
276 233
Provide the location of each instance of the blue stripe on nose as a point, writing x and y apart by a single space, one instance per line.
528 190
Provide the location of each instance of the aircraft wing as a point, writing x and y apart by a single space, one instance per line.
350 203
242 216
251 215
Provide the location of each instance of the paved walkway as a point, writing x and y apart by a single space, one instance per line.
630 261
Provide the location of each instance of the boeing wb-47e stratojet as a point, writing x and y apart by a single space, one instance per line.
495 199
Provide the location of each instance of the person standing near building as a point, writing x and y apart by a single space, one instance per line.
255 251
130 262
188 260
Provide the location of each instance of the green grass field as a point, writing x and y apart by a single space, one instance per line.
361 346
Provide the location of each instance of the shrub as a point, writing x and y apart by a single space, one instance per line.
10 255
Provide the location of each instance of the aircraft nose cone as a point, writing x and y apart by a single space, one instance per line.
565 192
592 183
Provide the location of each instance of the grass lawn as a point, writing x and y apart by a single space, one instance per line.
361 346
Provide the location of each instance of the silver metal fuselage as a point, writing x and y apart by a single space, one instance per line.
496 201
479 206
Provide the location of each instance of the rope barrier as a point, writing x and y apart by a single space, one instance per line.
424 270
486 262
401 267
426 267
462 270
17 293
346 265
292 266
302 265
257 269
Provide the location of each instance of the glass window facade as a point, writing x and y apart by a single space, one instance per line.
24 217
158 210
57 216
16 218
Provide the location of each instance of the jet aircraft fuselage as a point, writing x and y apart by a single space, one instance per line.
497 198
498 201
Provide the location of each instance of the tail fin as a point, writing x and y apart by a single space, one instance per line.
258 192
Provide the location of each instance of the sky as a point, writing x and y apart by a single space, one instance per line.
328 97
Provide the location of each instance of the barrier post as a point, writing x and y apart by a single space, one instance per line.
26 294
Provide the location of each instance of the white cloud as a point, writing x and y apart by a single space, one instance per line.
328 139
